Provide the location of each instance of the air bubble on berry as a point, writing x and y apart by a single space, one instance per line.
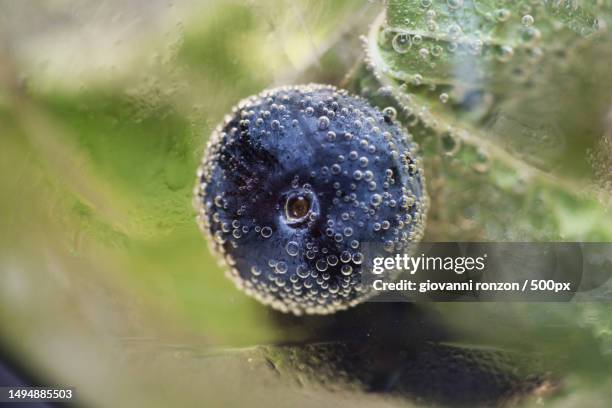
266 232
323 122
292 248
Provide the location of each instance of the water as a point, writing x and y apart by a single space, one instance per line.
105 109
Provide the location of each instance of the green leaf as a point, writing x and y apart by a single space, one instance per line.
508 100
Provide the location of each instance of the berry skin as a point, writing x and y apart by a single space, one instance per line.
297 184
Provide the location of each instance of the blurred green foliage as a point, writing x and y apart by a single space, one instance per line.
141 134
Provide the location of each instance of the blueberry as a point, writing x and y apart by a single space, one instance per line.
297 183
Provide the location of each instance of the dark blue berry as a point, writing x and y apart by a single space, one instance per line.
296 183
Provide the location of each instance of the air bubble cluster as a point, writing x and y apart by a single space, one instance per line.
300 187
455 48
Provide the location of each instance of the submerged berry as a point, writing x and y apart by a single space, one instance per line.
300 187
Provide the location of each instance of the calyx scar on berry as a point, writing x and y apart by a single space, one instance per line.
296 184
